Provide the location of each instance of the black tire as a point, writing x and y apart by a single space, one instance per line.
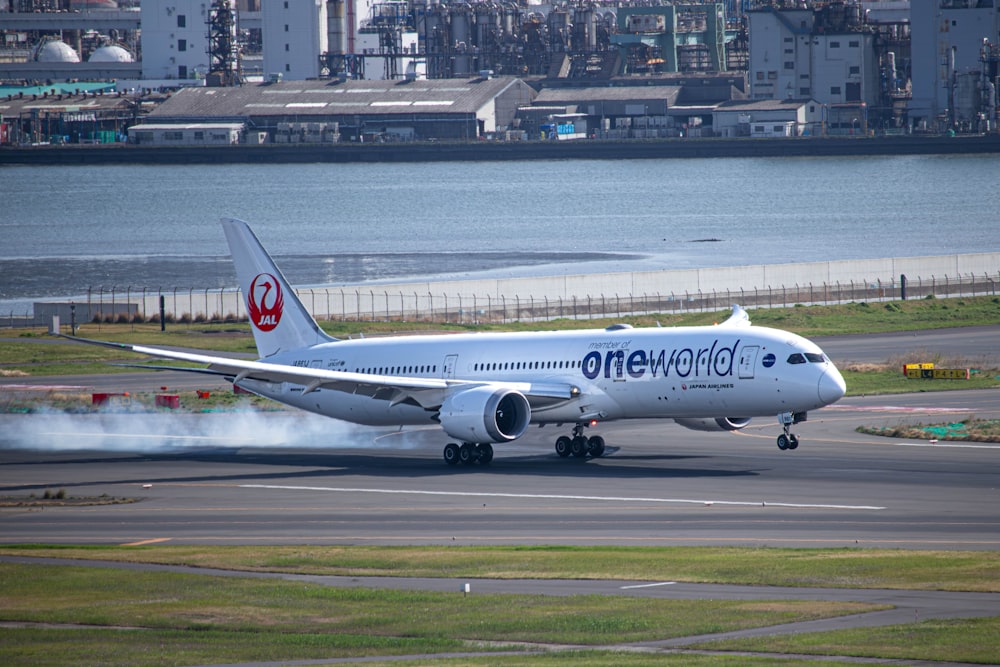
596 446
467 453
783 442
563 444
579 447
451 454
485 452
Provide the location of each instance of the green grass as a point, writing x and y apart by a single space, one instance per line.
970 640
845 568
879 317
170 618
890 380
164 648
71 615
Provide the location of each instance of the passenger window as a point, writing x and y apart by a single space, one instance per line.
796 359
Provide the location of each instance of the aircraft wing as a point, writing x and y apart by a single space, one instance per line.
428 392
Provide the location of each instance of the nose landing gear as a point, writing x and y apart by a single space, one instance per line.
788 440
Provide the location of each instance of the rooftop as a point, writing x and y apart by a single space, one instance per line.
325 98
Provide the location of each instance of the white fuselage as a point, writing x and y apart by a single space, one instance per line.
620 373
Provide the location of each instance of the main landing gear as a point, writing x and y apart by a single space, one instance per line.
580 445
468 453
789 440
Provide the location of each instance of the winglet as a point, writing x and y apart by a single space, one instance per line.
278 319
739 318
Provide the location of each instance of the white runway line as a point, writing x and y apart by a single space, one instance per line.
951 444
661 583
536 496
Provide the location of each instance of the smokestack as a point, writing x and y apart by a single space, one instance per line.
336 26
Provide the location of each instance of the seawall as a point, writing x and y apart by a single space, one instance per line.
502 151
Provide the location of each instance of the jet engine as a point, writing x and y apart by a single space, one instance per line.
485 414
715 423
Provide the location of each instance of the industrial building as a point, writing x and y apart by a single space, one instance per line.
665 106
956 54
768 118
827 54
76 112
874 65
291 111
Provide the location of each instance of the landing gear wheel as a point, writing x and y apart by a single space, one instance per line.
484 452
467 453
579 447
451 453
595 446
563 445
784 442
793 441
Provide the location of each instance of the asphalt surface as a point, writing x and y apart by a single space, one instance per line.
310 480
290 478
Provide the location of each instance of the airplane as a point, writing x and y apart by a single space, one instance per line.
484 389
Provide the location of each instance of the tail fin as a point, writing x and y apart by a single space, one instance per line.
278 319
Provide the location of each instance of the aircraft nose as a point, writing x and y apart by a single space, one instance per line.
831 386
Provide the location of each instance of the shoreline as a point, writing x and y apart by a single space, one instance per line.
503 151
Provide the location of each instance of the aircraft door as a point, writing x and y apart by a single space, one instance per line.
748 359
450 362
617 365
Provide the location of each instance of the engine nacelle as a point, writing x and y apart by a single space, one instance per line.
485 414
715 423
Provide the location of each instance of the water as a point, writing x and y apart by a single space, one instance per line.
66 229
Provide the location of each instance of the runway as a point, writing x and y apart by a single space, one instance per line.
294 478
659 484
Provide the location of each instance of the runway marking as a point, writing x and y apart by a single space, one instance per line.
951 444
544 496
41 387
142 543
895 408
662 583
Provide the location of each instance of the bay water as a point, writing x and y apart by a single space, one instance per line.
67 230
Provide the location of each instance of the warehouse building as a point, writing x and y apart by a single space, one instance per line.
768 118
353 110
669 106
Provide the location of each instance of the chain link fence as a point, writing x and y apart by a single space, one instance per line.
359 304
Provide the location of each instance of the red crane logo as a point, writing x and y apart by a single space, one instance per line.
264 307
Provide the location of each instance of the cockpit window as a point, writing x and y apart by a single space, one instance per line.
815 358
796 359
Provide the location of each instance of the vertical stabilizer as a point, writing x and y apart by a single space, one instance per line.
278 319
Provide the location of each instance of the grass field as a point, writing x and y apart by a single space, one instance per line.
63 615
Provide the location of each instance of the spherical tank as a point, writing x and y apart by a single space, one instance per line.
55 51
110 53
